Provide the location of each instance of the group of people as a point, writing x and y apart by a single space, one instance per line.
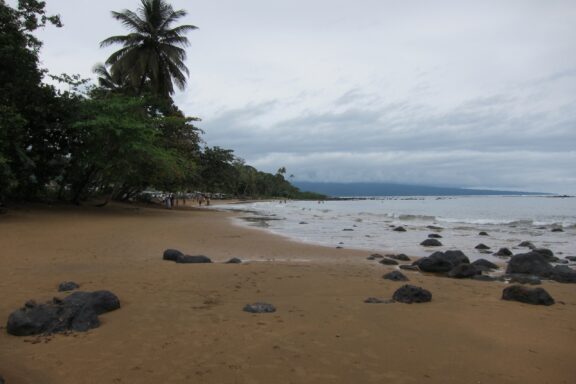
171 200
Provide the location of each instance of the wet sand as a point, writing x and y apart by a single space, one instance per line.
184 323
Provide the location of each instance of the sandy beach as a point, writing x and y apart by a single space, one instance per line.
183 323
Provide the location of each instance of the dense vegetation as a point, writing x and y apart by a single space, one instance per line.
120 137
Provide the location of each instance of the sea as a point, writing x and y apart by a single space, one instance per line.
369 223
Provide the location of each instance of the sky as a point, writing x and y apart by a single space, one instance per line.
475 94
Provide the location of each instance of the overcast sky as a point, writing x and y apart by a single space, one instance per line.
477 94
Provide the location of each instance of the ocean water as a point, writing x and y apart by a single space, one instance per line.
369 223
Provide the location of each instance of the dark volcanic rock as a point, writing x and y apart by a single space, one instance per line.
431 243
259 308
557 230
409 267
524 279
571 258
483 234
563 274
399 229
77 312
527 244
395 276
442 261
464 271
547 253
172 254
67 286
434 236
531 263
387 261
537 296
400 256
376 256
234 260
503 252
482 246
411 294
484 265
197 259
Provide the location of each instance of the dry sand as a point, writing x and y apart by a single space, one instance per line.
184 323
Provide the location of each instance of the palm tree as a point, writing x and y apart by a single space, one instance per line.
111 81
153 53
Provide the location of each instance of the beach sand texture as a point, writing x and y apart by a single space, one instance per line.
183 323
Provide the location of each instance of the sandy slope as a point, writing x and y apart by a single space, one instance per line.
185 324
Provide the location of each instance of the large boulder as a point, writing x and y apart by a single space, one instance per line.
77 312
197 259
531 263
537 296
563 274
411 294
464 271
440 262
171 254
547 253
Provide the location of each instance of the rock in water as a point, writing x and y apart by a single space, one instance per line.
503 252
77 312
399 229
527 244
482 247
171 254
431 243
197 259
411 294
483 233
395 276
259 308
484 265
531 263
387 261
67 286
537 296
434 236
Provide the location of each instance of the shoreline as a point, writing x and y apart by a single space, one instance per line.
184 323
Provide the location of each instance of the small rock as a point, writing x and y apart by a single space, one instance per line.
259 308
172 254
348 229
302 222
536 296
400 256
527 244
197 259
395 276
411 294
503 252
571 258
431 243
376 256
483 234
434 236
434 227
234 260
482 247
67 286
557 230
387 261
399 229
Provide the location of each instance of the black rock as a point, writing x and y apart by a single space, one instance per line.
395 276
483 234
537 296
531 263
67 286
197 259
524 279
482 246
376 256
375 300
348 229
234 260
411 294
409 267
434 236
463 271
434 227
571 258
400 256
77 312
547 253
563 274
259 308
431 243
503 252
484 265
172 254
439 262
399 229
387 261
557 230
527 244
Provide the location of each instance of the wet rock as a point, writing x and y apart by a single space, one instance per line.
172 254
531 263
483 233
484 265
234 260
434 227
523 279
395 276
463 271
527 244
196 259
440 262
400 256
482 247
409 267
503 252
67 286
348 230
557 230
434 236
571 258
259 308
412 294
302 223
76 312
547 253
376 256
563 274
376 300
399 229
431 243
387 261
536 296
